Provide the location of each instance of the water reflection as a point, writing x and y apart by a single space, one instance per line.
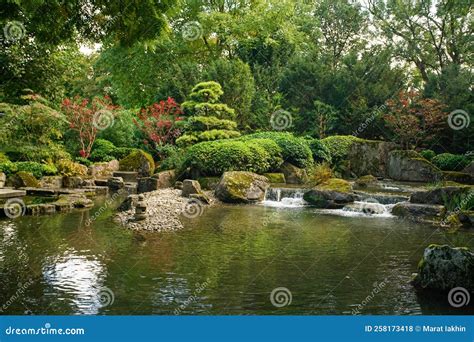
75 279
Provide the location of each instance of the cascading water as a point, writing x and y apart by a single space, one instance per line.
284 197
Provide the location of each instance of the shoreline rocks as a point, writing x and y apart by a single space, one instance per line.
241 187
408 165
164 210
443 268
333 194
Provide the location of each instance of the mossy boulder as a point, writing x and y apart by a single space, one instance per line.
459 177
443 268
138 161
365 181
409 165
439 195
419 212
293 174
275 177
23 179
332 194
241 187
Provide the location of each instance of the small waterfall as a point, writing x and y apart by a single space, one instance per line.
284 197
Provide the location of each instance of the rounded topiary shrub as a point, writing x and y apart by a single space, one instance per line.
215 157
294 150
451 162
102 150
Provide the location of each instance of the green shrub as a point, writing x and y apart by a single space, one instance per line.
102 150
69 168
122 152
203 123
3 158
319 150
215 157
294 150
36 169
173 157
428 154
339 146
450 162
83 161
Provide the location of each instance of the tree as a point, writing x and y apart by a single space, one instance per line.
87 117
208 119
415 120
158 122
237 85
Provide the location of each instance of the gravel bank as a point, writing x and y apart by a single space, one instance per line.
165 208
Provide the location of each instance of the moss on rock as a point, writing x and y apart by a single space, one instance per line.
364 181
24 179
138 161
275 177
241 187
336 184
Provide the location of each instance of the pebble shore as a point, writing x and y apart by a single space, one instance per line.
165 209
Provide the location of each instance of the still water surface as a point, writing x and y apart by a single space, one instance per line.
226 261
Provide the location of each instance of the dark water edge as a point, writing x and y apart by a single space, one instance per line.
227 261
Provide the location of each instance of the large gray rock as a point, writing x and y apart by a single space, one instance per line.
72 182
191 187
115 183
328 199
368 157
241 187
51 182
439 195
443 268
147 184
333 194
293 174
422 212
165 179
411 166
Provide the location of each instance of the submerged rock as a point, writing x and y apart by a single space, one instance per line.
411 166
443 268
293 174
241 187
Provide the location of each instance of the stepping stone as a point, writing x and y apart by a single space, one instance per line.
11 193
127 176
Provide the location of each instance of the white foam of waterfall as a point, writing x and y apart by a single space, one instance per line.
281 197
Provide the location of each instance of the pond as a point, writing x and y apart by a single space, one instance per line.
226 261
